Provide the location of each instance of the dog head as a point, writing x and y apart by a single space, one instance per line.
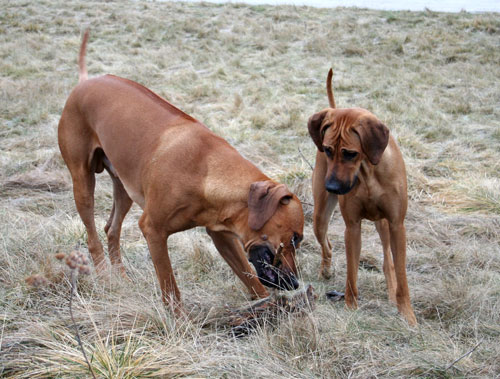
347 137
276 223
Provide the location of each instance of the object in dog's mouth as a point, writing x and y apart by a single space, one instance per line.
268 310
335 295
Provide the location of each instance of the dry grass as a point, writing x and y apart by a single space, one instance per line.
254 75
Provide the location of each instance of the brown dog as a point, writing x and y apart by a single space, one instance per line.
359 165
182 175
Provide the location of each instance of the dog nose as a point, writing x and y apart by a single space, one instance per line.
337 187
332 186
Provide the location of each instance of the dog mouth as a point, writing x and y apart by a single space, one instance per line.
271 276
337 187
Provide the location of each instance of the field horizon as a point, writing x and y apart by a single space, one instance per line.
452 6
254 75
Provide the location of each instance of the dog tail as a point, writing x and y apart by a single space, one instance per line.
82 67
329 90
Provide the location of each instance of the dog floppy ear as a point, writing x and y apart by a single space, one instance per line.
374 138
263 201
315 130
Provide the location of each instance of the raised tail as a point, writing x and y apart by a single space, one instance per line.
82 68
329 90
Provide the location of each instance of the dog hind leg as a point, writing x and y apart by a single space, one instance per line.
121 205
398 248
388 265
77 152
83 190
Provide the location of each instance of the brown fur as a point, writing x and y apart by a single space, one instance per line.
360 166
180 173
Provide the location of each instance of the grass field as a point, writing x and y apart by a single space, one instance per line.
254 74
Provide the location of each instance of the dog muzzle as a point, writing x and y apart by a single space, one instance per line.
268 272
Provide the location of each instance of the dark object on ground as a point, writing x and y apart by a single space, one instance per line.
244 321
335 295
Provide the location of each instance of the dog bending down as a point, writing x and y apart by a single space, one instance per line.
182 175
359 165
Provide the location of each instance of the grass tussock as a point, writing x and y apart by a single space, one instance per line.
254 74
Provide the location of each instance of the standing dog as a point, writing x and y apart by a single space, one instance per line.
182 175
360 165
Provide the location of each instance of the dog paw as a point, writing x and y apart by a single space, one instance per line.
101 267
119 269
326 273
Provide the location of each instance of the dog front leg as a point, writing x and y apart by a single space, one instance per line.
233 253
398 248
324 204
353 249
157 243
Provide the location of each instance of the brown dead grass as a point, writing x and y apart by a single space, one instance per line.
254 74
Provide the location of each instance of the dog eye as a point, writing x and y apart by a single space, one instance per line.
328 151
349 155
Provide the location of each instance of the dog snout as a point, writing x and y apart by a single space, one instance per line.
262 259
271 276
338 187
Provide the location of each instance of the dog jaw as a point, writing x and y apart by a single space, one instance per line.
262 257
